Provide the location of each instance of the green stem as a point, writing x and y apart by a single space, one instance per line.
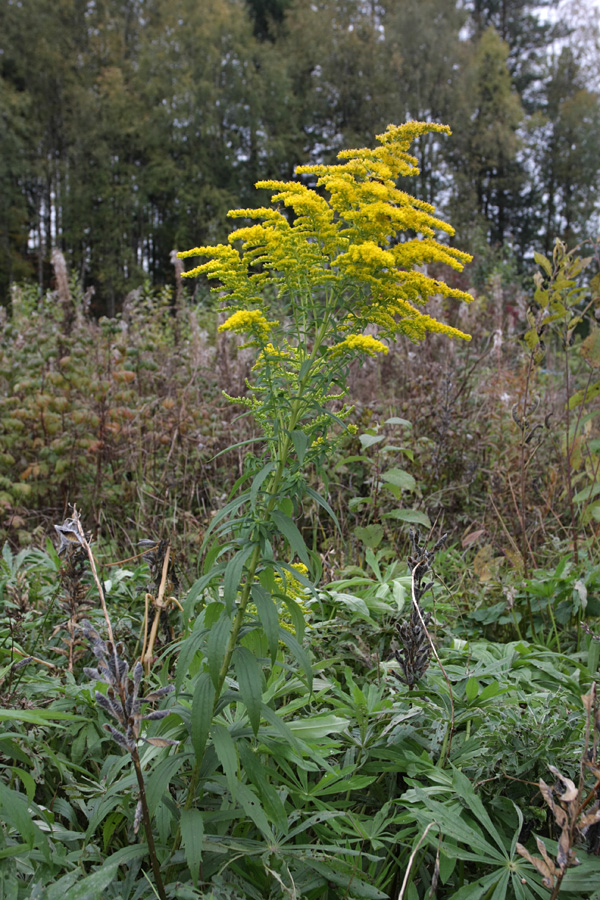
284 447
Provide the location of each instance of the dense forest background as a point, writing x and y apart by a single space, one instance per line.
129 127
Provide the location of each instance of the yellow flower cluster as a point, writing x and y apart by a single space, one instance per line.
245 320
350 245
270 354
293 587
364 343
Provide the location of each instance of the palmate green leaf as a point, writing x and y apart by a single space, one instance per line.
216 645
465 791
250 682
292 535
480 849
192 834
92 886
483 886
336 871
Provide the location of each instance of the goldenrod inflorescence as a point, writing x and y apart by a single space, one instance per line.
310 277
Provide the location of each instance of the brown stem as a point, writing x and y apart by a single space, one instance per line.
147 825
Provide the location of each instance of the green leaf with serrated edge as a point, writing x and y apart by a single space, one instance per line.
323 503
203 582
256 771
227 510
202 712
227 755
292 535
412 516
216 645
15 811
92 886
191 824
584 396
399 478
253 809
258 481
300 441
189 648
250 682
269 619
299 653
160 778
233 575
545 264
26 780
270 716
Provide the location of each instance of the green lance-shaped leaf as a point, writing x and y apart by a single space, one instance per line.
257 772
300 441
300 655
233 575
292 535
258 480
161 776
269 618
216 645
202 712
227 755
192 835
249 679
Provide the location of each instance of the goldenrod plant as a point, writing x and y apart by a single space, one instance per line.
327 274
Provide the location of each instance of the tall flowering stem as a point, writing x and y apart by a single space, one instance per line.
333 270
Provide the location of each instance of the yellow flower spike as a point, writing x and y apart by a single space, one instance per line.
364 343
244 320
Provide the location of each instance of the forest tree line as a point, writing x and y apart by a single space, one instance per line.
128 128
